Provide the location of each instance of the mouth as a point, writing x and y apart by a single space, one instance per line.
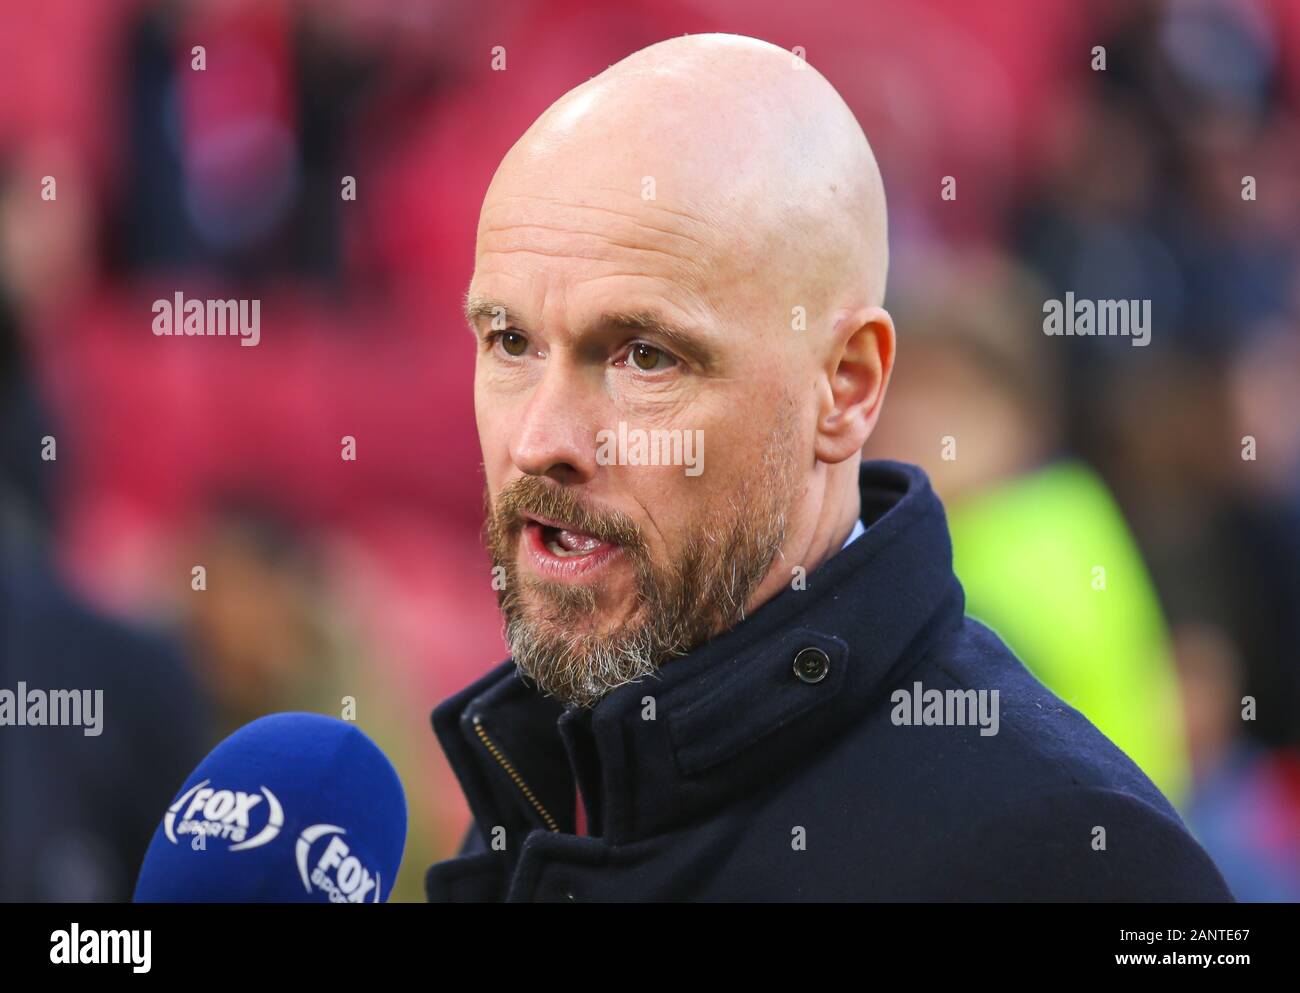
565 553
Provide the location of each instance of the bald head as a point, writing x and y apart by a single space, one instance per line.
748 144
689 247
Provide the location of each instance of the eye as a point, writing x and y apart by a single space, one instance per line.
513 342
647 358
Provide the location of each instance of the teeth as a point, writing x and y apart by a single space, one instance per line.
570 544
555 548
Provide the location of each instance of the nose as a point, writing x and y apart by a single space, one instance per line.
555 435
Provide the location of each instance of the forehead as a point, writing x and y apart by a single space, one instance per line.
593 243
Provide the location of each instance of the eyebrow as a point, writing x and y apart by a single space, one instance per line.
477 308
680 337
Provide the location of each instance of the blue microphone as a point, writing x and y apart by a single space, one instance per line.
292 808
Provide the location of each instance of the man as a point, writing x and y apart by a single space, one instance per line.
724 672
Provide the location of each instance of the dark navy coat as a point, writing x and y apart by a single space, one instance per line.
774 763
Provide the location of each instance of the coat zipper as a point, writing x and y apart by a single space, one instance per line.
514 775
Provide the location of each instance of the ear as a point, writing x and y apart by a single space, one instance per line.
858 366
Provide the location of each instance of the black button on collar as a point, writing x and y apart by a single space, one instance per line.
811 665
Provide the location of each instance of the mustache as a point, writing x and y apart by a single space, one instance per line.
536 495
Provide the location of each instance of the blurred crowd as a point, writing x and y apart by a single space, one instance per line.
1175 467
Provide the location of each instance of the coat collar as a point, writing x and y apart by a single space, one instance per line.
730 716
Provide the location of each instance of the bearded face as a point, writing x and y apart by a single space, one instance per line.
708 265
577 631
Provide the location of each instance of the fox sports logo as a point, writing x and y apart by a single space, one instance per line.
334 871
226 815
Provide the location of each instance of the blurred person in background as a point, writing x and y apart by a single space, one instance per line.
978 406
1210 483
259 630
269 634
1246 805
76 811
1194 204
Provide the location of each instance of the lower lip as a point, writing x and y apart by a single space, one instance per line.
576 568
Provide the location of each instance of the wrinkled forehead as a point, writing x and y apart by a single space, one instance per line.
614 241
595 225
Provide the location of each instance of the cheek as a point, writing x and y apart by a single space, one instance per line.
675 505
493 420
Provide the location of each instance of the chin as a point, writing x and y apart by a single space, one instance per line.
602 623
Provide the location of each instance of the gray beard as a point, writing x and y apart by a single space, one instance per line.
708 593
704 592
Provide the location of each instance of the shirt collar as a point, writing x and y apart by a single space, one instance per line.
859 529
